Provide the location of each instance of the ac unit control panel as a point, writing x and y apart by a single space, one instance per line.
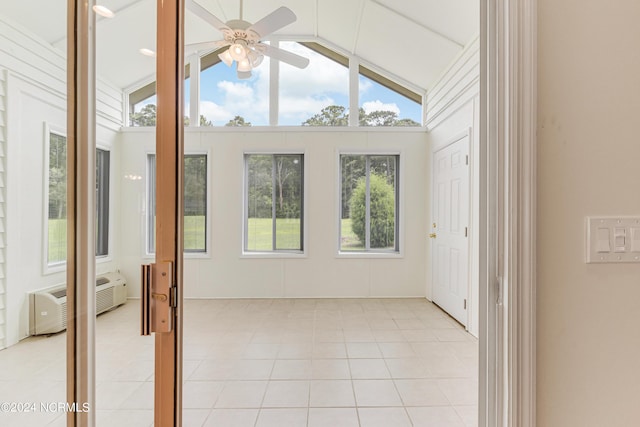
613 239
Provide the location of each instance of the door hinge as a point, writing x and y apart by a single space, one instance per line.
466 232
466 159
174 296
465 304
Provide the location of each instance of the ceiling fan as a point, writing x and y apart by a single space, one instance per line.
244 39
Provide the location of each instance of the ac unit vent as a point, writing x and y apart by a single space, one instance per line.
59 294
48 307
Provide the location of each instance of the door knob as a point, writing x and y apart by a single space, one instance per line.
432 235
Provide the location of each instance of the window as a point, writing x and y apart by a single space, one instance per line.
369 203
57 201
195 203
274 202
385 103
102 202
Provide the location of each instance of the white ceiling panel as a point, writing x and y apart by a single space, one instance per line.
338 21
412 40
454 19
402 47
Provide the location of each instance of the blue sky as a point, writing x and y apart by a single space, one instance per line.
303 93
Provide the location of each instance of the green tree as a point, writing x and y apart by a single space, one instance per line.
333 115
381 211
145 117
337 115
238 121
57 176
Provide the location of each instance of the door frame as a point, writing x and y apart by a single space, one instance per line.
508 90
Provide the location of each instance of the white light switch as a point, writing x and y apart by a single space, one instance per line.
604 244
613 239
620 239
635 239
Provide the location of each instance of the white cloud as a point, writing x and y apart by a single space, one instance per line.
378 105
214 112
322 75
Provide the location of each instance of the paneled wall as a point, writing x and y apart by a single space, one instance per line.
32 98
321 272
452 111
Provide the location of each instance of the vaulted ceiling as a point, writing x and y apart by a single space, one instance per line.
411 41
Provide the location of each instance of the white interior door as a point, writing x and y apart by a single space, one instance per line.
449 236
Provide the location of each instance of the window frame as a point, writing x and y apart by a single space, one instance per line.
323 47
149 212
103 204
398 252
283 253
59 266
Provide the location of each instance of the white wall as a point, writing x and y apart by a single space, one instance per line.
35 87
588 372
453 110
225 273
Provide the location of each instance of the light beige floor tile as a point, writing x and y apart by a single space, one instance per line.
286 394
242 394
333 417
251 370
232 417
358 335
331 393
295 350
451 335
261 351
329 351
201 394
212 370
290 417
193 417
391 335
368 369
396 350
469 415
376 393
141 398
460 391
408 368
291 370
330 369
429 416
363 350
423 335
421 393
384 417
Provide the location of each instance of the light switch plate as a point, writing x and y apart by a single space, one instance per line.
613 239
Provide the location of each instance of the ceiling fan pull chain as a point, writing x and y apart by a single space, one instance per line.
241 10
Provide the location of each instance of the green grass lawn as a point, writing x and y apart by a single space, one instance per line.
260 234
194 237
348 239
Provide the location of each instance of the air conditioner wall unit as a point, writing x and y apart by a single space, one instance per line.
48 307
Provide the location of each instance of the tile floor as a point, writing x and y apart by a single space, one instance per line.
261 363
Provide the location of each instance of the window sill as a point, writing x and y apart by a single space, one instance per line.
370 255
273 255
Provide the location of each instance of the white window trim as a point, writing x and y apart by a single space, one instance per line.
399 215
305 226
146 254
109 256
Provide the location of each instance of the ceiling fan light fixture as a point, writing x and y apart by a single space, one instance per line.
238 50
226 58
254 58
242 75
244 65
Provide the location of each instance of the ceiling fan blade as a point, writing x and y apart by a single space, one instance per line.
194 47
206 15
277 19
283 55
